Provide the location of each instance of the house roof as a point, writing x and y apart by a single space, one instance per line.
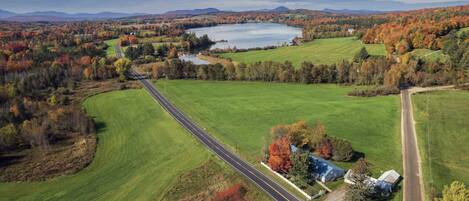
390 176
323 168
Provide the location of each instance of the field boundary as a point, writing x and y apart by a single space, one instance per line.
308 197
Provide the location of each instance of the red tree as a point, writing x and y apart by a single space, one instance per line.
279 159
325 150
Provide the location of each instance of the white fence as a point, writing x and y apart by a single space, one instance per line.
288 182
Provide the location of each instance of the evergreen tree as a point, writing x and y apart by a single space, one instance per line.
361 55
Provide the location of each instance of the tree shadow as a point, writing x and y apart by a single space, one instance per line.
357 155
8 160
100 127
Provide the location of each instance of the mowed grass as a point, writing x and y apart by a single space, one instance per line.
111 50
320 51
443 136
141 152
240 114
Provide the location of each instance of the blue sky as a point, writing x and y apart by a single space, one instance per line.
159 6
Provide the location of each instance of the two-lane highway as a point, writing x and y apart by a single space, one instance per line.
273 189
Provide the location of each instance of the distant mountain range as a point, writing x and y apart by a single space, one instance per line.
194 12
353 12
61 16
214 11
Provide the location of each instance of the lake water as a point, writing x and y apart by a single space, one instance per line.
249 35
193 58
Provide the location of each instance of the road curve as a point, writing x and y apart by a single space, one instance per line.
413 187
273 189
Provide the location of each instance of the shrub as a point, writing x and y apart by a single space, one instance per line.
377 91
234 193
8 137
341 149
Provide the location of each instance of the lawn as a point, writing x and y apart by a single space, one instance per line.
320 51
443 136
240 114
111 50
141 152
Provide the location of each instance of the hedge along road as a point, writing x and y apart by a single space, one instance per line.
274 190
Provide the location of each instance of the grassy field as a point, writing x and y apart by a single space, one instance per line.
430 55
442 130
159 39
320 51
111 50
241 114
141 152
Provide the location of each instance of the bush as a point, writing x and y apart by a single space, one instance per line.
341 150
234 193
377 91
8 137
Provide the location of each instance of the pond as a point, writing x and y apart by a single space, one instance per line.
193 58
249 35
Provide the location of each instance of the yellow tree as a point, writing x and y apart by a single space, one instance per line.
457 191
122 67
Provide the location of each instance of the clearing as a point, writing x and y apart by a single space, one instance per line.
320 51
141 152
429 55
442 131
111 50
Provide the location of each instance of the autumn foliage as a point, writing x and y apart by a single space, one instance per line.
128 40
234 193
325 149
280 152
424 28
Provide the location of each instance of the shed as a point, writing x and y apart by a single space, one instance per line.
390 176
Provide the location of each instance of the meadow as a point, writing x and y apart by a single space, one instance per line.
240 114
142 154
320 51
442 130
111 50
429 55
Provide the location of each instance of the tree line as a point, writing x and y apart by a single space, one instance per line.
363 70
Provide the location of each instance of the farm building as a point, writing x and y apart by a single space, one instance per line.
385 183
323 170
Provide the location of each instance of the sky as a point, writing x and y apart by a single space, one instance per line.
160 6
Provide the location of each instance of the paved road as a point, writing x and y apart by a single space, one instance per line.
118 51
273 189
412 170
